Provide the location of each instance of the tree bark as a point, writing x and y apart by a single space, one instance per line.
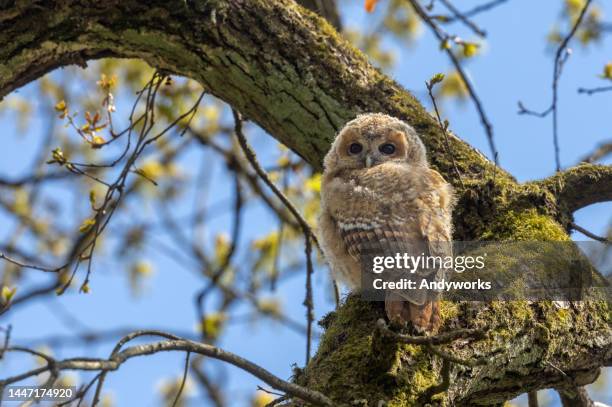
289 71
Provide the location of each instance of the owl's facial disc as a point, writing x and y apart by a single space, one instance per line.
367 148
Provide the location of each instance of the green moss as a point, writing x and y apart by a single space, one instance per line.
523 226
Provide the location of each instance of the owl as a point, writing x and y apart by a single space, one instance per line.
378 194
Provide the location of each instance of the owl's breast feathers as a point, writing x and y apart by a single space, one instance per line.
384 210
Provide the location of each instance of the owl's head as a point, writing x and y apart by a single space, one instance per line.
374 139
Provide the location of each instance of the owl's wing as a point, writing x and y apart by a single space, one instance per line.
402 229
436 220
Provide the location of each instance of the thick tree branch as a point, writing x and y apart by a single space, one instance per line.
526 347
581 186
575 397
308 83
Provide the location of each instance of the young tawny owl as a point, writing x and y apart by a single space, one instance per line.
379 195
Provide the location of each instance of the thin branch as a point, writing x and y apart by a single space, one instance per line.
306 229
444 128
277 401
183 380
464 18
252 158
591 91
33 179
559 61
442 37
308 301
213 391
561 56
523 110
29 266
476 10
601 151
7 339
117 359
590 234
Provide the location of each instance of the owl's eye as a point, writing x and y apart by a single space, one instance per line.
355 148
387 148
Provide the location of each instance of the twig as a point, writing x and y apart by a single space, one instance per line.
463 18
277 401
269 391
215 396
556 368
601 151
250 155
80 395
224 265
444 129
33 179
306 229
591 91
308 301
523 110
7 339
477 10
116 350
590 234
561 56
442 37
183 380
29 266
559 61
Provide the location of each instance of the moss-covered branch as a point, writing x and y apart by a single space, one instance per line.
526 347
280 65
288 70
581 186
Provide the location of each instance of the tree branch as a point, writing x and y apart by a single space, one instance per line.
318 80
575 397
580 186
601 151
117 359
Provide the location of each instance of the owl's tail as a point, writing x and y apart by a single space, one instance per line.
424 318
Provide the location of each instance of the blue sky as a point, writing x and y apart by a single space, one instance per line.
514 66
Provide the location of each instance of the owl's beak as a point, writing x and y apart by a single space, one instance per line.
368 161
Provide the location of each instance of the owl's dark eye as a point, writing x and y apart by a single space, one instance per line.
355 148
387 148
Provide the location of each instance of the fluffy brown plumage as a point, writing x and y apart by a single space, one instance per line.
379 194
